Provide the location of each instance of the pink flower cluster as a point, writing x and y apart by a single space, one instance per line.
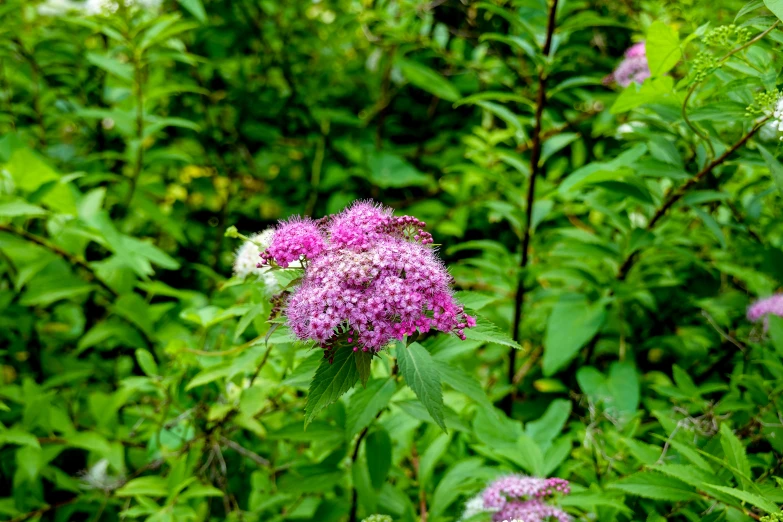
522 498
370 277
633 68
764 307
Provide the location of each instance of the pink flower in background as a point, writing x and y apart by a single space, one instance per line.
633 68
519 497
765 307
294 239
369 278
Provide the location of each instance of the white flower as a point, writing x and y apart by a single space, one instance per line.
473 507
248 257
777 115
94 7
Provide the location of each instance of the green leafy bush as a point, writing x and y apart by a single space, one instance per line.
608 218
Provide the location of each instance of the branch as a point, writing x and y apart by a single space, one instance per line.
678 194
354 493
535 170
72 259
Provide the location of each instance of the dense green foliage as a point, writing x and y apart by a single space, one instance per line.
609 239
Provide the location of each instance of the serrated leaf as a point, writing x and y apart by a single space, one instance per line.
735 455
365 404
418 369
363 365
654 485
487 332
378 450
330 382
746 496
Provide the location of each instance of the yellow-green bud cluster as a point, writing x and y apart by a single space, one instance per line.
726 36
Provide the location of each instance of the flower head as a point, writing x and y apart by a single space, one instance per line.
370 277
518 497
378 518
293 240
249 255
633 68
764 307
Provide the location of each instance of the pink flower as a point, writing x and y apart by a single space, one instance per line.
764 307
530 511
371 279
294 239
521 497
633 68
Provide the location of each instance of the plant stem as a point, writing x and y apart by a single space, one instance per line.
535 170
354 493
72 259
678 194
138 80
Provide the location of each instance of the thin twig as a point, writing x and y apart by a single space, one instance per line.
723 333
678 194
535 170
354 493
72 259
255 457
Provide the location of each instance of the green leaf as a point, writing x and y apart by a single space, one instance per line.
776 6
431 457
152 486
20 208
147 362
653 90
735 455
654 485
745 496
429 80
465 383
18 437
366 403
363 365
550 424
776 332
572 323
111 65
378 449
330 382
196 8
461 478
775 168
388 170
489 333
209 375
421 375
663 48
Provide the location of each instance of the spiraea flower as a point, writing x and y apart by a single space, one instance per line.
633 68
518 497
378 518
777 115
763 308
248 255
369 278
